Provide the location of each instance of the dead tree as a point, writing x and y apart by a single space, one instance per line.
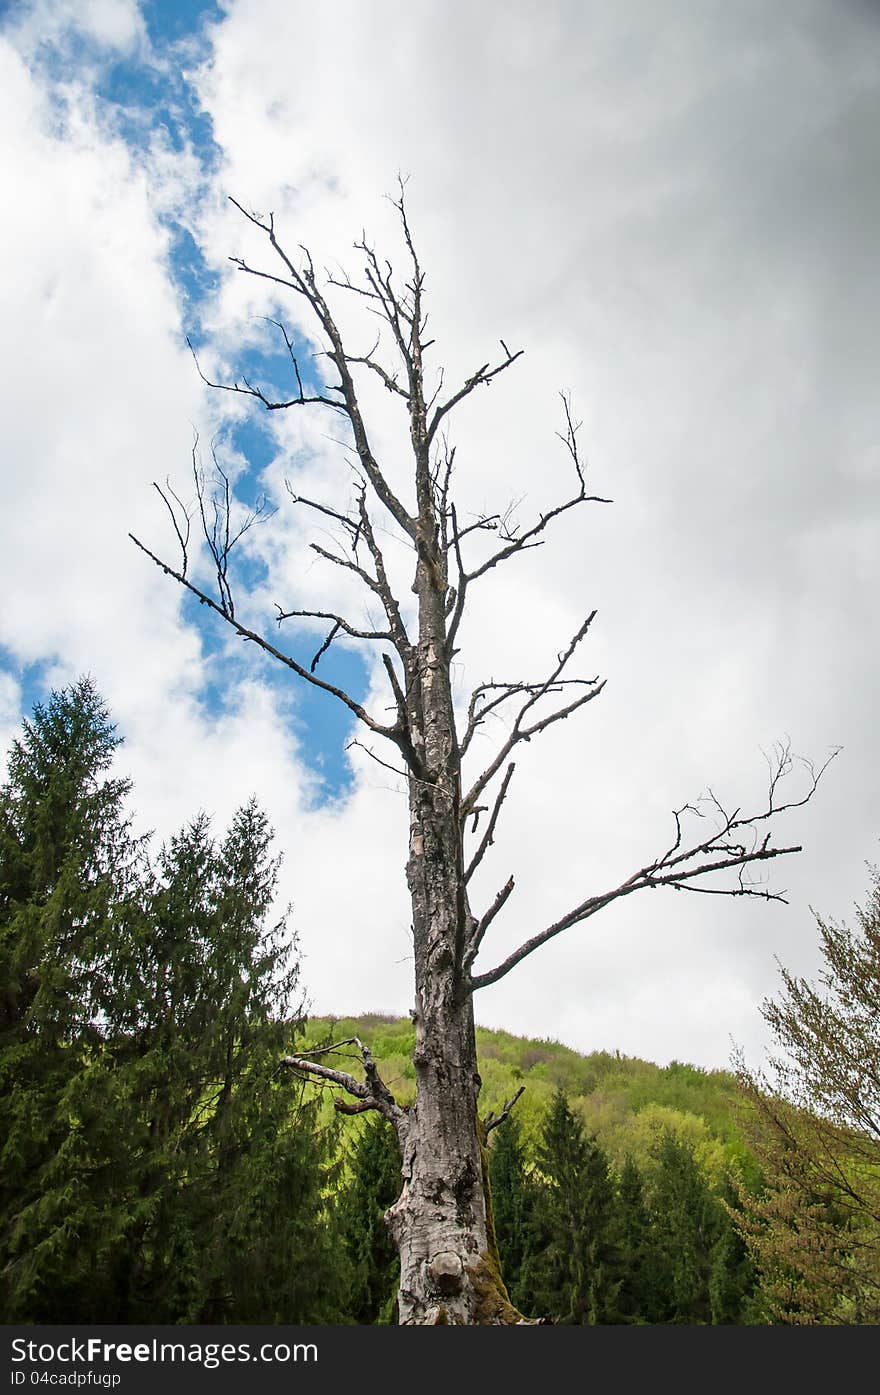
448 1262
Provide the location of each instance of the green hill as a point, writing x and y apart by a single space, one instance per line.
625 1101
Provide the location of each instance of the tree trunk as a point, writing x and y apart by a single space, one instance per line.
441 1222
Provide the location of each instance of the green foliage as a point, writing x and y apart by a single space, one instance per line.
65 849
626 1102
154 1167
733 1279
514 1194
814 1229
373 1185
636 1297
586 1245
574 1263
686 1222
66 862
651 1123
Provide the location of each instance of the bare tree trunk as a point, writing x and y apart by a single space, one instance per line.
439 1223
442 1221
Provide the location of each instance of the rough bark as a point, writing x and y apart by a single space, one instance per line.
440 1222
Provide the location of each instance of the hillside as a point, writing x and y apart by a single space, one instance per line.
625 1101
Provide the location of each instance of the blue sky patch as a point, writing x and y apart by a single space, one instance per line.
143 95
171 20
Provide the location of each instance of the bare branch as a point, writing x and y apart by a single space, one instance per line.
290 351
382 585
347 564
487 523
350 524
732 846
339 623
324 647
481 378
402 714
218 533
532 694
182 530
569 439
401 774
372 1093
393 734
305 284
532 536
271 404
461 590
489 836
483 924
387 378
490 1122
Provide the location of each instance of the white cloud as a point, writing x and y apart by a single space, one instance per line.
10 709
114 25
100 399
653 206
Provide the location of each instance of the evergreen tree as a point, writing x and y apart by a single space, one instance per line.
374 1185
236 1228
637 1294
65 849
573 1272
513 1193
154 1166
67 859
687 1223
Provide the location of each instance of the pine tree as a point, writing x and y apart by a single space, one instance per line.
637 1295
513 1193
64 850
67 858
236 1228
374 1185
687 1222
154 1165
575 1262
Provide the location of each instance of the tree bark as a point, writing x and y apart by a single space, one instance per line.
441 1222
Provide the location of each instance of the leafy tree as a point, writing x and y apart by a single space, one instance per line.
732 1280
814 1232
440 1221
373 1185
574 1267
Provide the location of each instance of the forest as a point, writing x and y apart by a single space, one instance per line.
161 1163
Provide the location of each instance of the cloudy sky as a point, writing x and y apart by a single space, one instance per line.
675 210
